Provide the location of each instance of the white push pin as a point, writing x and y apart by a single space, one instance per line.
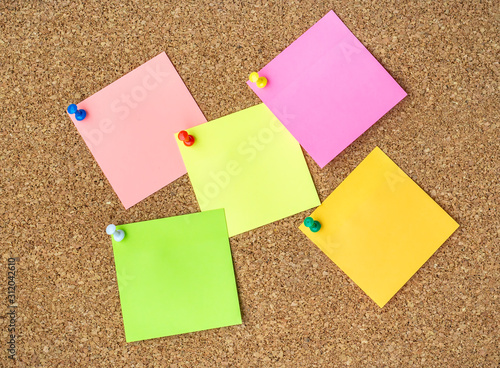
118 235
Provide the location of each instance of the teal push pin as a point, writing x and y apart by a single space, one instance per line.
79 114
118 235
314 226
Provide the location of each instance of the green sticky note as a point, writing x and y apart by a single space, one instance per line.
250 165
175 275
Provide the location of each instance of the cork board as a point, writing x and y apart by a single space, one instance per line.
299 309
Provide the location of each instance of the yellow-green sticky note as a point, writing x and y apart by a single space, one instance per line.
380 227
250 165
175 275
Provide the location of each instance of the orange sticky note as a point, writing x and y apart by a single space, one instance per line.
130 125
380 227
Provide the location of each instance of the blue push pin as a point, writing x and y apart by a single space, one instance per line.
79 114
118 235
314 226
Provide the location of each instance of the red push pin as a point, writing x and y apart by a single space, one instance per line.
186 138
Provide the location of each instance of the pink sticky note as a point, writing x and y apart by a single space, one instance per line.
130 125
327 89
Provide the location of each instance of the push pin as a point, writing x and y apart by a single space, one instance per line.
260 81
186 138
79 114
314 226
118 235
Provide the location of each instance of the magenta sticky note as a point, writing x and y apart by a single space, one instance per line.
327 89
130 124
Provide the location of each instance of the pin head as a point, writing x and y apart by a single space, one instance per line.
307 222
253 77
183 135
72 109
261 82
314 226
110 229
186 138
80 115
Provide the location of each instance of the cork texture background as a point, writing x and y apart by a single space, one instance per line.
299 309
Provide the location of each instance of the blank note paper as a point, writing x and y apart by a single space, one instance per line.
380 227
327 89
129 128
250 165
175 275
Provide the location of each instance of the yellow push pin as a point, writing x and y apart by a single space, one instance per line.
253 77
260 81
